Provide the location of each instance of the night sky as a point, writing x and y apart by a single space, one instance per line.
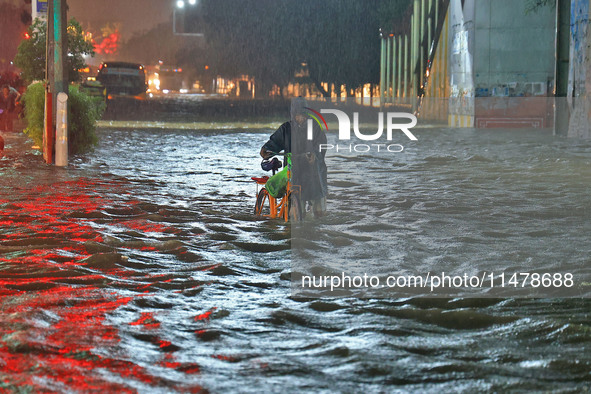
134 15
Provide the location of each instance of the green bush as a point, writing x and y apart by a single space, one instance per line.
34 99
83 112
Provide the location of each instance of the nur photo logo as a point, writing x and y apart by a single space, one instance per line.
390 122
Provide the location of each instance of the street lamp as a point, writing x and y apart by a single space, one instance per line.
180 6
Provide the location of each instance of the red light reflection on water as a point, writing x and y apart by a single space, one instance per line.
206 315
147 321
147 227
55 333
62 353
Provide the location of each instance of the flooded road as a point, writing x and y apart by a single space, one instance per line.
141 268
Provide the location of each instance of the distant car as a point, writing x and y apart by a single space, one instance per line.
167 79
94 88
122 79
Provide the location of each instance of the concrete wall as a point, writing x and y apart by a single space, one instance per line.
579 92
461 62
498 50
513 51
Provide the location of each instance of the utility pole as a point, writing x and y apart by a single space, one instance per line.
48 129
60 46
57 75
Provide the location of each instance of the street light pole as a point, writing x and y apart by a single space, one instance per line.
174 20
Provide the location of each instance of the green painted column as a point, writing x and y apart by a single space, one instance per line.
422 46
406 60
400 67
394 67
429 27
382 69
388 65
411 59
436 12
416 56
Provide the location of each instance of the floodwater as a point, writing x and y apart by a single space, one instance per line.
509 206
141 268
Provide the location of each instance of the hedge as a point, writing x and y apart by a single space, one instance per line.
83 112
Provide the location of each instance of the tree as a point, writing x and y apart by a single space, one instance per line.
248 39
159 43
30 57
338 40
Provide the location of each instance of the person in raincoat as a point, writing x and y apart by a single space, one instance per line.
8 100
308 165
